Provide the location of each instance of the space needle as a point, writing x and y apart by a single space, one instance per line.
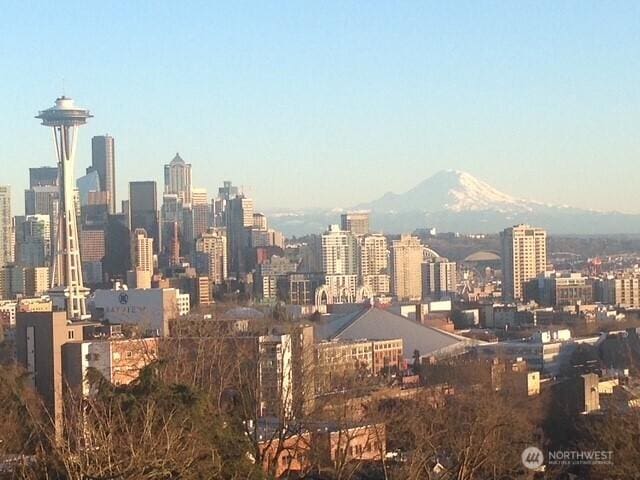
67 288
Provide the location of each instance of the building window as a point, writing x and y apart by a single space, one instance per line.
70 334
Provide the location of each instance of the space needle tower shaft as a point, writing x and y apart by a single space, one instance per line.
68 289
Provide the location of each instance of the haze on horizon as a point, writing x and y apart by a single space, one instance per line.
334 104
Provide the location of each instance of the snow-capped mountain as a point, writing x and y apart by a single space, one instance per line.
456 201
451 190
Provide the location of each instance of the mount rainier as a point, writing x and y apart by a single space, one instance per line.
456 201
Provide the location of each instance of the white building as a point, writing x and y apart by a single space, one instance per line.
142 251
374 263
524 256
340 263
151 310
339 252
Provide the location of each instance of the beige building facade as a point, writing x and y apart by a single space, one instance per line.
524 256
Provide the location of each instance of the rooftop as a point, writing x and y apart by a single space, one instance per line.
377 323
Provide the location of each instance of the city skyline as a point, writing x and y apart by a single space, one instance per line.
274 96
340 239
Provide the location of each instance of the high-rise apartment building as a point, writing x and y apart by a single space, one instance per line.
103 162
177 179
355 222
374 263
340 264
211 255
142 251
439 278
339 252
141 260
406 268
143 209
524 256
6 226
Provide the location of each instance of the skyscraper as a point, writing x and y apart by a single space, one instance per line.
355 222
143 209
199 196
174 245
200 213
200 219
33 241
142 251
92 252
239 224
41 200
374 263
103 161
524 256
339 252
340 264
43 176
177 179
6 230
89 183
406 265
117 259
170 214
211 255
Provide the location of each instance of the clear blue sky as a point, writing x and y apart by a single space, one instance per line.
334 103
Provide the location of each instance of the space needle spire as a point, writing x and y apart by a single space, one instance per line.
67 288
